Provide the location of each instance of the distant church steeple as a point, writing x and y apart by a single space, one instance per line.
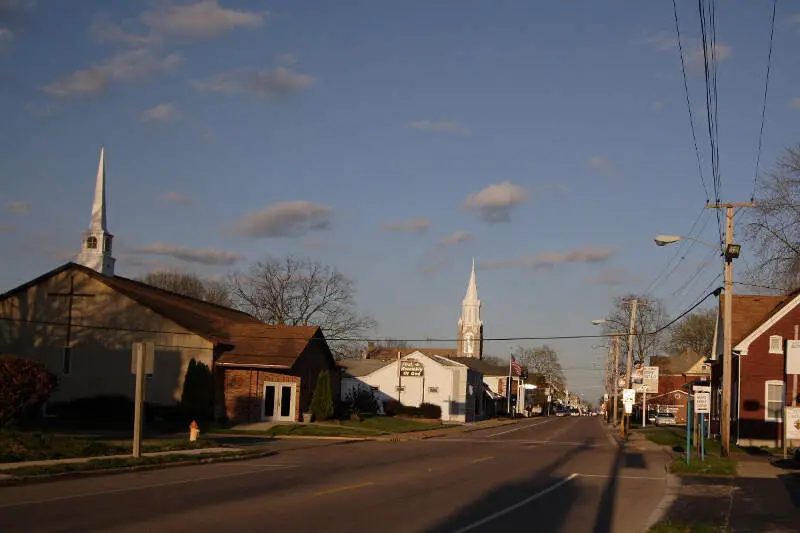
470 325
96 247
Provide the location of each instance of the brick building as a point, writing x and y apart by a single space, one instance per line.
674 372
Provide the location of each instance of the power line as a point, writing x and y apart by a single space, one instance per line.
655 281
745 284
689 102
715 292
764 105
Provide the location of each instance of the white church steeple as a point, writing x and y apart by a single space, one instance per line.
470 325
96 246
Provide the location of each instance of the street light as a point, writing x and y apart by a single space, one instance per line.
731 251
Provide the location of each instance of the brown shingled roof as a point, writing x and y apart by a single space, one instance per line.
248 341
386 354
752 310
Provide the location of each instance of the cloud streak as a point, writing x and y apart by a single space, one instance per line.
457 237
276 83
612 277
494 203
285 219
587 254
18 207
205 256
411 225
665 41
162 113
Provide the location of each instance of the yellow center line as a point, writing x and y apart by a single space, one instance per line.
342 489
481 459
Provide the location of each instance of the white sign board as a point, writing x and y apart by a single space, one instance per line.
702 402
792 423
793 357
628 396
148 351
628 408
650 378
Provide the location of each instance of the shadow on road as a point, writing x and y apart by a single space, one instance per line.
548 513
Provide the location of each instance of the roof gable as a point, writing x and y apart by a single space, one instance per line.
763 311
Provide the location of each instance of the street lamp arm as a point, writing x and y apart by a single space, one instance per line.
663 240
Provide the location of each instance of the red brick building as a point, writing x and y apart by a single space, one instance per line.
761 325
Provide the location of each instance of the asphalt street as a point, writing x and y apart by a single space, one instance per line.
544 474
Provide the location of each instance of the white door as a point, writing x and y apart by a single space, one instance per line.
279 402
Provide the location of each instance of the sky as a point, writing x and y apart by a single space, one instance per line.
395 142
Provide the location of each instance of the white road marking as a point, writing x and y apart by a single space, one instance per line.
138 487
518 428
517 505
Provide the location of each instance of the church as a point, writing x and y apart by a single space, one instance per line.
81 319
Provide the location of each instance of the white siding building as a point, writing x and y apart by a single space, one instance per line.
418 378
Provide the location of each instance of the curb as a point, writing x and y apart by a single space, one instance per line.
13 480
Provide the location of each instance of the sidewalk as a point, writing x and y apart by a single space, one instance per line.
71 460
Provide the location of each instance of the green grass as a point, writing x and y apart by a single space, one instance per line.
671 527
104 464
369 427
712 465
16 446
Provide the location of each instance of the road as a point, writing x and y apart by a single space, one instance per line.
544 474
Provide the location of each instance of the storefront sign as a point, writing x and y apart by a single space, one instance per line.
411 367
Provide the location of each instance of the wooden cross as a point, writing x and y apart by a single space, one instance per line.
69 296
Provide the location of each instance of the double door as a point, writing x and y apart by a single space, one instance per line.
279 402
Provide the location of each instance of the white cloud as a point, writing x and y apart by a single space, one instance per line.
133 65
105 31
178 198
161 113
6 37
200 20
603 165
495 201
441 126
286 219
18 207
206 256
288 59
664 41
414 224
794 103
457 237
587 254
273 83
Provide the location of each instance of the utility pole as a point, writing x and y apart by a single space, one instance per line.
631 333
731 252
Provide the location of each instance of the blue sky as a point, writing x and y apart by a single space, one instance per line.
394 141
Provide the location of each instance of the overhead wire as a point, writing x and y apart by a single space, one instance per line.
764 104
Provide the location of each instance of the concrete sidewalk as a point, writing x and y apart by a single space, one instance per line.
48 462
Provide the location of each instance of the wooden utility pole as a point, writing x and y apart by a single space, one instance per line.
730 252
70 296
631 333
615 389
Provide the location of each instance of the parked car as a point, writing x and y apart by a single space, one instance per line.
651 417
665 419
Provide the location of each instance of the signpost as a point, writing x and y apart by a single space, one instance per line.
628 397
702 406
142 362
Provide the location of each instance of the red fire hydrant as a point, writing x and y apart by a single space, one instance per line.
194 431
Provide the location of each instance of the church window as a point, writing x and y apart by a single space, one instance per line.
107 244
468 343
91 242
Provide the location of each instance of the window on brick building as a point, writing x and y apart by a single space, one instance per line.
773 401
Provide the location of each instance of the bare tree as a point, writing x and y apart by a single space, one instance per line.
295 291
189 284
695 331
774 225
651 316
542 360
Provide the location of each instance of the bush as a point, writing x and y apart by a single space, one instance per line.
392 407
429 410
24 387
361 400
425 410
322 399
197 400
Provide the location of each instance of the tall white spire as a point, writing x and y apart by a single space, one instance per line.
98 222
470 325
472 289
96 246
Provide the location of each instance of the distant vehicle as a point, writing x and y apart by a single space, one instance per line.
665 419
575 412
651 417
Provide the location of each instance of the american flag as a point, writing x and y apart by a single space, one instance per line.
515 368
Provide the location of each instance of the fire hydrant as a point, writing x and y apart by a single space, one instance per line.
194 431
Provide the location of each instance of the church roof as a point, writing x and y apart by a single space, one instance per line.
485 367
361 367
245 339
390 354
673 365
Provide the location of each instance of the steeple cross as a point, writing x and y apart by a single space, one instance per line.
69 296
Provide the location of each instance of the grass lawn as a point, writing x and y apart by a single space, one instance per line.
671 527
711 465
18 446
369 427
